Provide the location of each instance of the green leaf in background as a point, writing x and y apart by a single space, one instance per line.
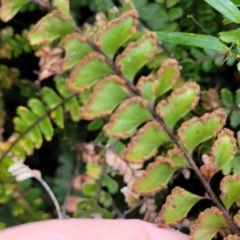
128 116
107 95
89 189
229 187
155 177
145 143
9 8
208 224
52 100
110 184
114 34
179 103
177 205
198 130
87 72
193 40
136 55
226 8
232 36
72 105
51 27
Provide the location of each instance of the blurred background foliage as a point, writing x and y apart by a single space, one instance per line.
60 160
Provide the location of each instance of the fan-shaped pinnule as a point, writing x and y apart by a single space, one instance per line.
136 55
156 177
106 96
83 77
127 117
115 33
177 206
179 103
208 224
145 143
197 130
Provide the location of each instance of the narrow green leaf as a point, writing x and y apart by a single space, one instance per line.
179 103
9 8
107 95
113 35
136 55
87 72
45 125
208 224
229 187
128 116
177 205
155 177
51 27
145 143
226 8
198 130
193 40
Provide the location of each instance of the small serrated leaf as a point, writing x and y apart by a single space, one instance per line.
53 100
227 98
177 205
114 34
45 125
155 177
145 143
128 116
76 48
229 187
83 77
51 27
71 105
179 103
208 224
136 55
107 95
166 77
198 130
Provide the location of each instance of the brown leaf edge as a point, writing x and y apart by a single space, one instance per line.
219 112
109 25
169 203
178 153
134 140
158 161
77 68
136 44
117 113
84 110
236 220
232 237
162 69
201 218
223 133
179 91
68 38
54 13
144 79
229 178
